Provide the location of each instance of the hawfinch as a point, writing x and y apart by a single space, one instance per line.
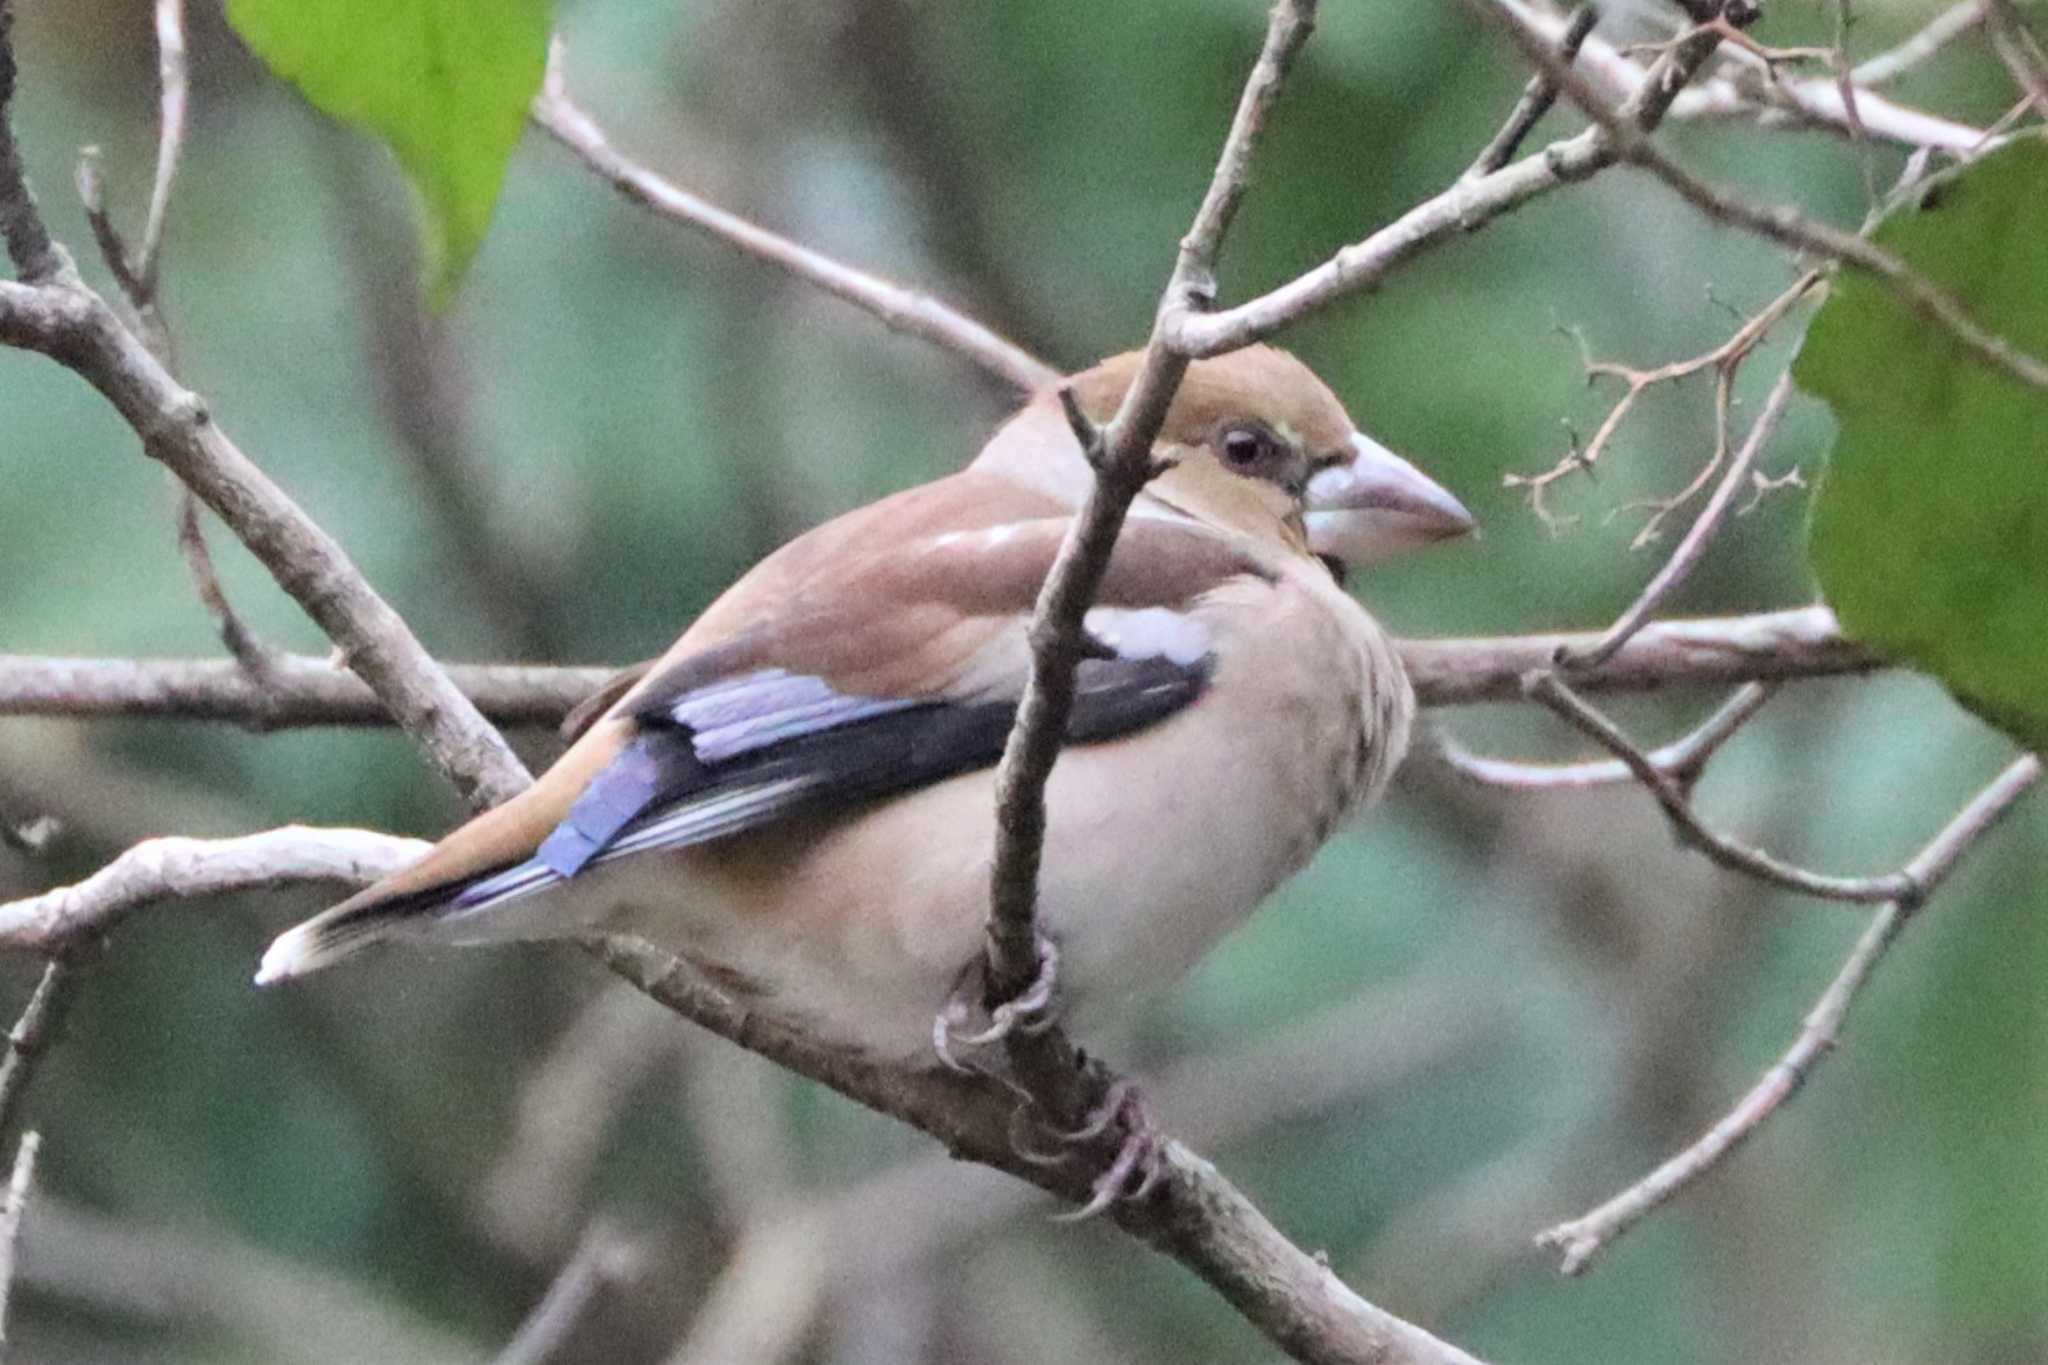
798 798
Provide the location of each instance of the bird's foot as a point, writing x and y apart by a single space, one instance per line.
1140 1160
1030 1011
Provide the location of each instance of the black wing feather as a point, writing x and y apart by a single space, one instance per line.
742 753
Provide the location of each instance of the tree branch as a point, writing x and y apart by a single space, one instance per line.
1630 141
1583 1238
12 1206
1693 547
1801 643
1121 455
1537 98
1682 761
1887 66
899 309
1193 1215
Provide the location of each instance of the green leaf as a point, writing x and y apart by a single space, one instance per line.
445 82
1930 525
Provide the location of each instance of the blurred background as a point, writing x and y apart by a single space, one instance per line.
1475 1015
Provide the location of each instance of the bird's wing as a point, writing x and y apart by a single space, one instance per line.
854 677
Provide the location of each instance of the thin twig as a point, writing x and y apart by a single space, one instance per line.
1682 761
1781 224
1925 43
2020 50
1537 98
1725 360
900 309
256 658
173 83
1545 687
32 1034
604 1257
36 258
1463 208
138 275
12 1207
1752 93
1583 1238
1693 547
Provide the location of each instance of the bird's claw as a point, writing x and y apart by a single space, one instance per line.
1140 1161
1029 1012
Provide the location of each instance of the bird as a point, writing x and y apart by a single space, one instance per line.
797 799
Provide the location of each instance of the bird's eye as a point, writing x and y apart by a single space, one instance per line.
1244 447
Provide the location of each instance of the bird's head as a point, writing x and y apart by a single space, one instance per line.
1258 444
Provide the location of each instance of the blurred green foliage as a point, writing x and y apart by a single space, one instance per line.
616 418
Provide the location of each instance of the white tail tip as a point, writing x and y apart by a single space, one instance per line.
292 953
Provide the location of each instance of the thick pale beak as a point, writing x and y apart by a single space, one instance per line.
1378 506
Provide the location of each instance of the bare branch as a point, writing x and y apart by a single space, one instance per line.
1465 207
1752 93
179 869
1547 688
1583 1238
1193 1214
1537 98
899 309
1782 224
1886 67
11 1209
1122 457
1802 643
604 1257
1694 547
2020 50
1805 642
300 691
36 258
1682 761
33 1033
1725 359
790 1259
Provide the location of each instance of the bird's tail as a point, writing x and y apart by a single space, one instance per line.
367 918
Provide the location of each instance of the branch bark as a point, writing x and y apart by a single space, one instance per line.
899 309
1801 643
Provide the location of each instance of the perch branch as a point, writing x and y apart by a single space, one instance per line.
1122 458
